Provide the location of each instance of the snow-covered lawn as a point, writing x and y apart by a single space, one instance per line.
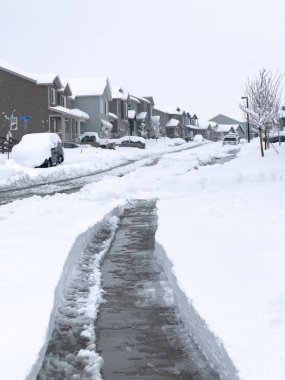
220 225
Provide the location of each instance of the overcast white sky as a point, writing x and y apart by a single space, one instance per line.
193 54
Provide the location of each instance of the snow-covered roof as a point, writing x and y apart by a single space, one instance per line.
155 118
41 79
203 126
224 128
119 93
106 123
212 123
169 110
131 114
75 112
223 119
172 123
113 116
141 115
141 99
134 99
93 86
46 78
238 125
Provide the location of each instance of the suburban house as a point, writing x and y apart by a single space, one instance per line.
92 95
118 112
31 103
176 122
140 115
223 124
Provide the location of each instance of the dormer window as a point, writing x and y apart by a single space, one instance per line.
53 96
63 101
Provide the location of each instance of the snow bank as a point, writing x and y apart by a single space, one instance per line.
88 307
228 259
211 345
34 265
198 138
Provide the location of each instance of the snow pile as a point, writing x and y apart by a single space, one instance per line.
198 138
7 170
75 354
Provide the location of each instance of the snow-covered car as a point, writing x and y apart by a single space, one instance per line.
231 139
274 138
39 150
93 139
132 141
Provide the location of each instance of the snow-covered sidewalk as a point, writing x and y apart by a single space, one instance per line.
220 225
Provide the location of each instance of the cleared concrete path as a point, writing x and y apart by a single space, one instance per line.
139 331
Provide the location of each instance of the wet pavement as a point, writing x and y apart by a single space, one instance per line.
139 333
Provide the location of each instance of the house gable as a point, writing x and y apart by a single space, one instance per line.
222 119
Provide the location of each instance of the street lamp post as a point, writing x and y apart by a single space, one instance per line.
247 118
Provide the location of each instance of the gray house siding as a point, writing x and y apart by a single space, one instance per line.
95 107
22 97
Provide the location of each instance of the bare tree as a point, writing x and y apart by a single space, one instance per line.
264 100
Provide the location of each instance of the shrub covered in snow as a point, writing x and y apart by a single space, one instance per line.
198 138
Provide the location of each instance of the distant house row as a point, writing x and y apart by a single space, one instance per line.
32 103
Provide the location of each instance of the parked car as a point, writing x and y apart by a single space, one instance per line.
231 139
39 150
275 138
132 141
93 139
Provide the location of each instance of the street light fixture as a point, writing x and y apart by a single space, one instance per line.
247 118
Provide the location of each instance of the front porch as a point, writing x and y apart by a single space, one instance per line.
67 123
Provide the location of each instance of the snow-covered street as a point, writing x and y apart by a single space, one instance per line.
219 239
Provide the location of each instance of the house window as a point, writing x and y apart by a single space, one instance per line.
126 110
122 110
53 96
63 101
13 123
106 108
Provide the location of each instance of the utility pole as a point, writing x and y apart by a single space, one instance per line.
247 118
